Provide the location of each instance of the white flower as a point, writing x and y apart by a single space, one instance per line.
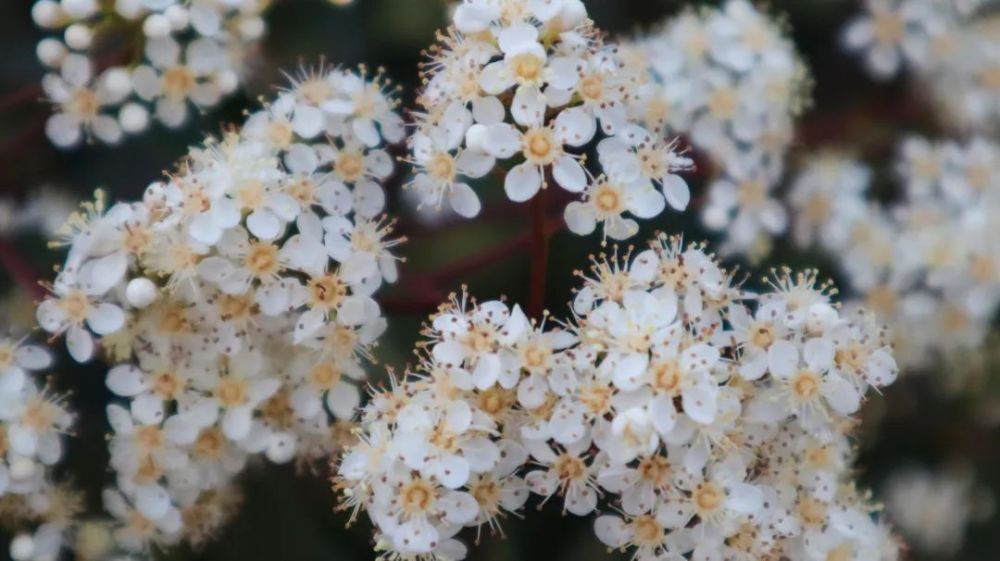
72 311
543 149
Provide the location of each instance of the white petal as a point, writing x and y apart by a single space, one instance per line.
343 400
580 218
264 224
522 182
147 409
569 174
464 200
125 380
675 189
80 344
106 318
782 359
575 126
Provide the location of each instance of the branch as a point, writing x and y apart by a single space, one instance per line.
19 270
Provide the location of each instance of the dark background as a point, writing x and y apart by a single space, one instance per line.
290 518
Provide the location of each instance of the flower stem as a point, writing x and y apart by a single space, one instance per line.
19 270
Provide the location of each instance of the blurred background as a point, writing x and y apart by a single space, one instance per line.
930 443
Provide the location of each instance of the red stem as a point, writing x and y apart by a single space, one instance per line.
24 94
19 270
539 256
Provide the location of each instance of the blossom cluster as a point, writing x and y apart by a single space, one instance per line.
731 81
33 422
189 54
234 302
934 508
523 89
696 418
928 262
950 46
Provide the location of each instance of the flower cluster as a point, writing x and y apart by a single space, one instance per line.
951 46
928 263
524 88
235 301
730 80
933 509
33 421
695 416
190 54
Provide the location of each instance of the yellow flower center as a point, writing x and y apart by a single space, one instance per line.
234 307
722 103
707 499
75 305
6 355
324 375
569 468
262 260
487 494
210 443
608 199
83 104
280 133
350 165
168 385
441 167
232 391
326 292
250 194
805 385
540 147
592 88
315 90
178 82
889 28
527 67
417 497
646 531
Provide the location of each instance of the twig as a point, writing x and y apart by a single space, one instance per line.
19 270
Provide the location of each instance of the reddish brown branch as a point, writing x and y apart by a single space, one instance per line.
19 270
26 93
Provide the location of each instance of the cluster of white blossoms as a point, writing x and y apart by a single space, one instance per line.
929 262
45 210
731 81
235 302
522 89
188 54
33 422
695 418
933 509
951 46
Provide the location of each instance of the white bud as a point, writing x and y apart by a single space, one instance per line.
178 16
22 547
141 292
118 82
156 26
227 80
134 117
93 541
252 29
47 14
128 9
50 52
475 137
79 9
21 468
78 36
